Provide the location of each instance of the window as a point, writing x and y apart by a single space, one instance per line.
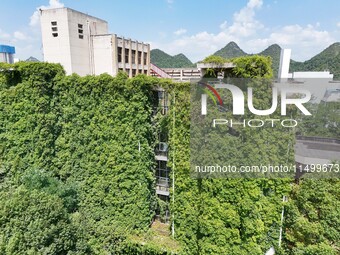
54 28
80 31
145 71
139 57
133 53
133 72
119 54
126 55
127 71
145 58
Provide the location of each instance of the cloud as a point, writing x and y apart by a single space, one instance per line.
19 35
224 25
170 1
204 43
252 36
4 35
244 22
180 31
338 24
35 18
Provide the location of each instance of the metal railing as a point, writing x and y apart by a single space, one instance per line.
318 139
163 182
160 72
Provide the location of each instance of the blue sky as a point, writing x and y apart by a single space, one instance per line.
196 28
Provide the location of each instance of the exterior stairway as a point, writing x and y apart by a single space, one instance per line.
156 71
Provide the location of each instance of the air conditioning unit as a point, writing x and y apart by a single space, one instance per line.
163 147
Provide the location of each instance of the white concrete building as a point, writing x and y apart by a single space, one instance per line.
83 45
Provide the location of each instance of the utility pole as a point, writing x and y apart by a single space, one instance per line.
284 199
173 170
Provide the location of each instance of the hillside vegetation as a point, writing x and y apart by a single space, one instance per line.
327 60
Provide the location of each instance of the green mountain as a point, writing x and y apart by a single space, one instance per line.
231 50
328 59
274 52
164 60
32 59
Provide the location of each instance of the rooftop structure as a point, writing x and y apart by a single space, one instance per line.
7 54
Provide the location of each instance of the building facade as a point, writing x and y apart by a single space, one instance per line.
83 45
7 54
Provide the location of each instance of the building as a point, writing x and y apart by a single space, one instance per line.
83 45
7 54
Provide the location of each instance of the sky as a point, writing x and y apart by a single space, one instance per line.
197 28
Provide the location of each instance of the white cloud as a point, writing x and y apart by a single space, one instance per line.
224 25
19 35
35 18
180 31
338 24
244 22
204 43
252 36
4 35
170 1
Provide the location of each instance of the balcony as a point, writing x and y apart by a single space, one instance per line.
161 152
162 186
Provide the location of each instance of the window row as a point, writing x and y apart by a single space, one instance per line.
133 56
134 71
54 28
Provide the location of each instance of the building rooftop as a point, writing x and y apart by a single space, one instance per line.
67 8
7 49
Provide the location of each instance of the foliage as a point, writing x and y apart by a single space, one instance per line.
34 222
252 67
312 222
89 141
215 60
232 216
328 59
76 172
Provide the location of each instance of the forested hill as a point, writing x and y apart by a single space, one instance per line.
328 59
231 50
164 60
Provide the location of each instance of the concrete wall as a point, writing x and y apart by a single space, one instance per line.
325 75
103 54
73 52
56 49
83 45
130 61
